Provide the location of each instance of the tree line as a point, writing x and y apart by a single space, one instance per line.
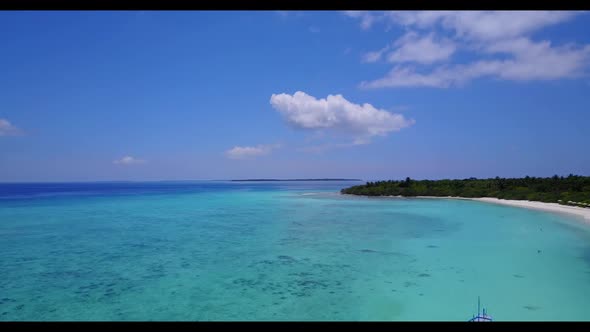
570 190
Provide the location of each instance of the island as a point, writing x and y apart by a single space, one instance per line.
573 190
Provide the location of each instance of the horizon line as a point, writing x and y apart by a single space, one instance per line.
292 179
186 180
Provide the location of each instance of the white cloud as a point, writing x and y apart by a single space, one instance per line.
128 160
421 19
374 56
8 129
493 25
367 19
540 60
481 25
407 77
413 48
500 41
244 152
338 115
532 61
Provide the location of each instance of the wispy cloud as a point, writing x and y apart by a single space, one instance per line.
8 129
374 56
366 18
338 115
426 49
536 61
499 40
128 160
480 25
246 152
412 47
314 29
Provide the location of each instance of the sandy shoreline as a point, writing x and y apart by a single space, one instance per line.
551 207
584 213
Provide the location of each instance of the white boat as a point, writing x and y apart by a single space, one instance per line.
481 317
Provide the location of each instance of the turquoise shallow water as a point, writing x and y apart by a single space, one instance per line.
281 251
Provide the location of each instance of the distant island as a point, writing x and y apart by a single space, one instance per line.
265 180
571 190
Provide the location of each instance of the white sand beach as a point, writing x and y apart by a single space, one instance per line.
553 207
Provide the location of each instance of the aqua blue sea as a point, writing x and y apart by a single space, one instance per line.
280 251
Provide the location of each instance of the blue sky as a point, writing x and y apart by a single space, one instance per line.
88 96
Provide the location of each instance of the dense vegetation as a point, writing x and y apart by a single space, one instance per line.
570 190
